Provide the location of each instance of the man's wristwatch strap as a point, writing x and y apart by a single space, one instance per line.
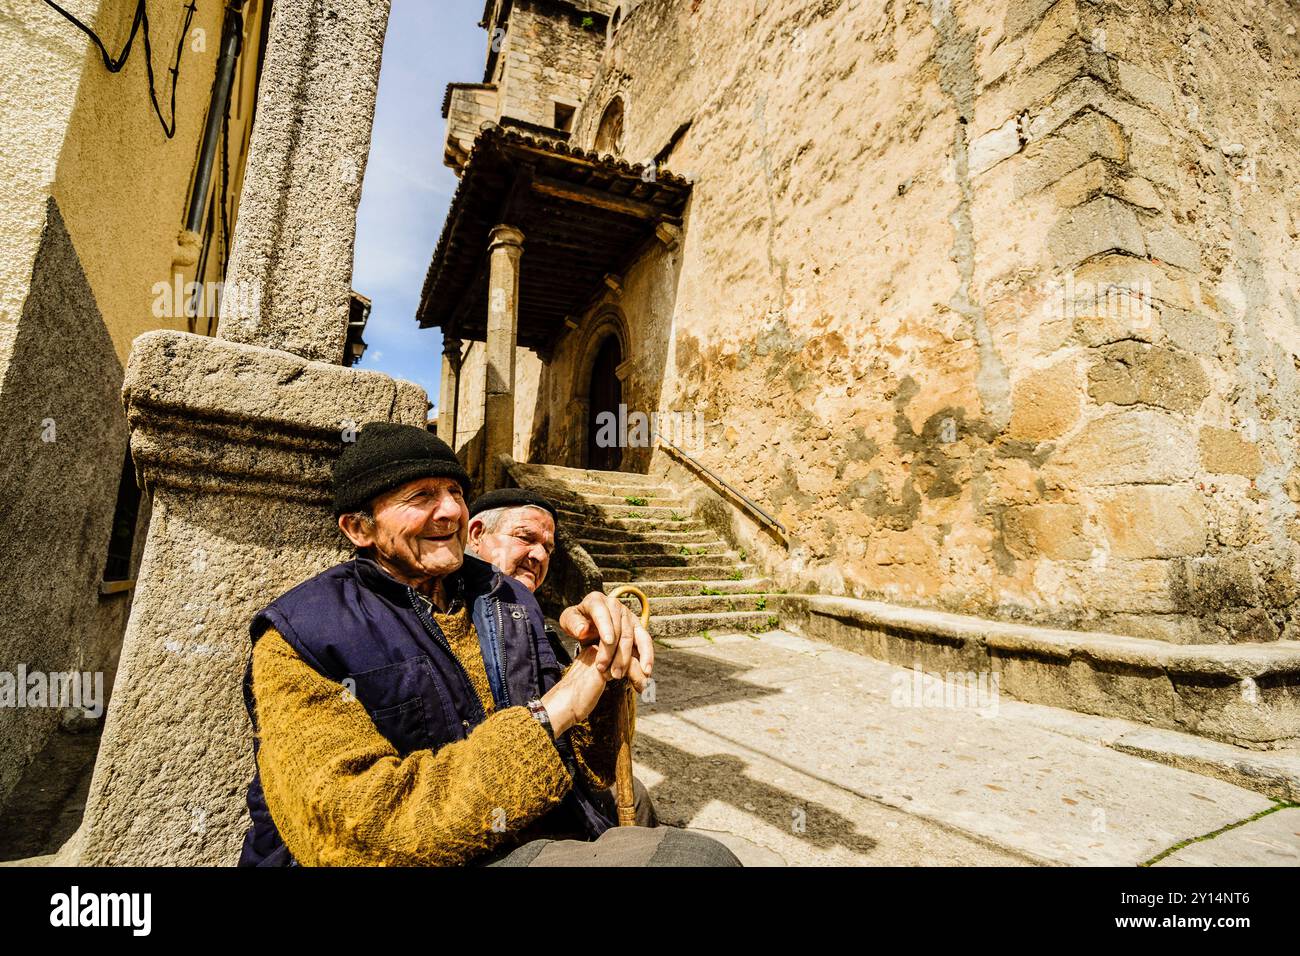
538 710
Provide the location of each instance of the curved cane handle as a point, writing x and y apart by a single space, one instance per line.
637 593
623 794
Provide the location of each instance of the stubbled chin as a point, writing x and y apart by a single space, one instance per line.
442 553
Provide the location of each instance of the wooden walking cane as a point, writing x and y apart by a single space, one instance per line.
626 718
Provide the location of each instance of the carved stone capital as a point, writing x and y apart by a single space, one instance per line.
223 417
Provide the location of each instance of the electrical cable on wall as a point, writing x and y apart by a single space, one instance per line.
115 64
225 190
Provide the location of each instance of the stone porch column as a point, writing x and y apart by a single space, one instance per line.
506 246
234 438
448 391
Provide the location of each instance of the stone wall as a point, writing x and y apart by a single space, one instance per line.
546 55
469 106
989 301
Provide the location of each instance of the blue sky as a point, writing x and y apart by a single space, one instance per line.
407 189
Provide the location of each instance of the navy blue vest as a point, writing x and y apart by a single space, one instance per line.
357 623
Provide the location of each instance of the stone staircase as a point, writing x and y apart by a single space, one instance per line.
638 531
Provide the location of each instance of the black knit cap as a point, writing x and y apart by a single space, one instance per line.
386 455
512 498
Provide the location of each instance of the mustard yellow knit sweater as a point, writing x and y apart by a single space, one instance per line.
341 795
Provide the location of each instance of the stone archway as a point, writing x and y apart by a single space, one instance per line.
598 387
605 395
609 132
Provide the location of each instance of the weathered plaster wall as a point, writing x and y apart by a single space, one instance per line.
64 432
41 57
93 196
990 301
122 186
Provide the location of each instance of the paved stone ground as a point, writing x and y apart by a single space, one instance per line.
796 752
815 754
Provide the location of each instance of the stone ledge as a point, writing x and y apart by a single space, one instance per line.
1274 774
209 378
1247 695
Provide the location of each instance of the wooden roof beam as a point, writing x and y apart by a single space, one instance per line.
587 196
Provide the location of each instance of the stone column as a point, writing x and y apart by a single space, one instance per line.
234 438
505 247
291 263
448 390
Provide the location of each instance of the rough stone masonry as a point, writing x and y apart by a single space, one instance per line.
993 302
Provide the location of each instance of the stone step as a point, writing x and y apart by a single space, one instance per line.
601 479
603 512
575 521
683 625
664 556
608 497
648 548
704 604
581 488
680 588
704 573
588 535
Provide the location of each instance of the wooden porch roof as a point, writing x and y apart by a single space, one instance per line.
583 216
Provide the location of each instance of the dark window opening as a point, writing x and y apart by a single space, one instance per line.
121 542
564 116
358 315
663 154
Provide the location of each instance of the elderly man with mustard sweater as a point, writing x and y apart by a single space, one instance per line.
408 709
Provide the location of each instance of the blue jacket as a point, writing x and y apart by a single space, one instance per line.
355 621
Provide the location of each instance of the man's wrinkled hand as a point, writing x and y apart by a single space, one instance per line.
617 633
573 698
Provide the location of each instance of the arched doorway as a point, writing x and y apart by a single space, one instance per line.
605 395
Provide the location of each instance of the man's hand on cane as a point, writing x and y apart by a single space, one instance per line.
614 644
622 639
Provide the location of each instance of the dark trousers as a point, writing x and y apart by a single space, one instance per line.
644 807
646 844
625 846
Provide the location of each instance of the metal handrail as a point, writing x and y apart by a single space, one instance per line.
722 481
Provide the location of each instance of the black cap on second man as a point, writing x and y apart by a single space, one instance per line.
512 498
386 455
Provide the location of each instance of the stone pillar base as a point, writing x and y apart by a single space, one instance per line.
235 443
